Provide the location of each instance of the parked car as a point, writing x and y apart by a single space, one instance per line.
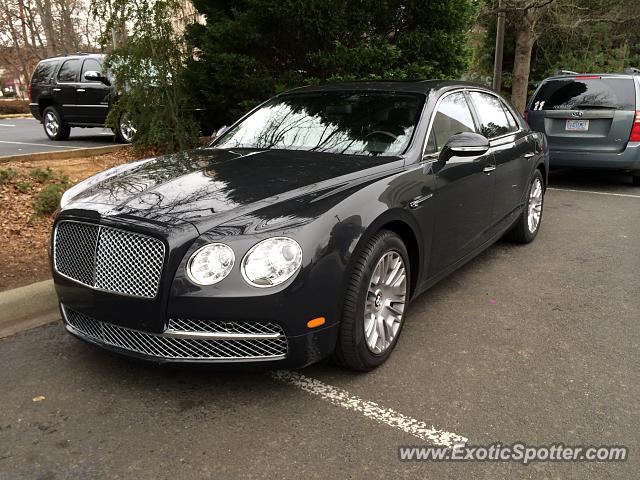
591 120
302 231
72 91
76 91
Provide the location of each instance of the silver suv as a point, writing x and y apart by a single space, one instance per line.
591 120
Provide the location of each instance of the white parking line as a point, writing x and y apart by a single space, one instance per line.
594 193
344 399
6 125
40 144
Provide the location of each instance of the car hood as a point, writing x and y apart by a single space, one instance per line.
199 186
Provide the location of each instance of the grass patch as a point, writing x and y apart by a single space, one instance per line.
48 199
7 174
23 187
42 175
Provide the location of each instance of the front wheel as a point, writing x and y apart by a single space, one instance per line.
375 301
54 127
528 224
126 130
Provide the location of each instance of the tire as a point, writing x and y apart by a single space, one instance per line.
522 231
53 125
636 180
125 131
355 349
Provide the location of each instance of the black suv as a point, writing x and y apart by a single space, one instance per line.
72 91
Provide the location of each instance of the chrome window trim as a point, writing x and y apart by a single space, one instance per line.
98 225
425 156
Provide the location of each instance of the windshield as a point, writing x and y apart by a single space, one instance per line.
344 122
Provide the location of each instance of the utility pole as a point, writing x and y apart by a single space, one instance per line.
497 62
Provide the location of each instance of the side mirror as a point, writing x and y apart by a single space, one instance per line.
94 76
466 144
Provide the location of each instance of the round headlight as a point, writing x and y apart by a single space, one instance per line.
271 262
210 264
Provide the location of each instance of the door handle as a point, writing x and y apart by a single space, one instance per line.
529 155
80 90
489 168
57 89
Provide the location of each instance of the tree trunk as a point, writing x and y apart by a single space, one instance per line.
46 16
525 39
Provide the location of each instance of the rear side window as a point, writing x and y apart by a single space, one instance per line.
69 71
577 94
493 118
43 72
453 116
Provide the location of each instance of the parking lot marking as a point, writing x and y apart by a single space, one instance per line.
68 147
344 399
6 125
594 192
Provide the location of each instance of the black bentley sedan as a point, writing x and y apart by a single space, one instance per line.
302 231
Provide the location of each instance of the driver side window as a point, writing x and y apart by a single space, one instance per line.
453 116
90 65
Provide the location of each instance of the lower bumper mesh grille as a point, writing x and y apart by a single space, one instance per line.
180 344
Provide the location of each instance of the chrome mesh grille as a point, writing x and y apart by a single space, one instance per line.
108 259
251 328
176 348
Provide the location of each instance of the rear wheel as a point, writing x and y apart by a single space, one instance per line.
528 224
375 301
54 127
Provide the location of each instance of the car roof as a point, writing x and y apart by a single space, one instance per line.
72 56
423 86
579 75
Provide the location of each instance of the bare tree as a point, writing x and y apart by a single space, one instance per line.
533 18
31 30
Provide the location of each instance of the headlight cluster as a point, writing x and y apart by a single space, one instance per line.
267 264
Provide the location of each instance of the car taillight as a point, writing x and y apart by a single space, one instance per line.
635 131
29 90
526 116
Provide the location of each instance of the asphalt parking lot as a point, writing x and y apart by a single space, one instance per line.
26 135
536 343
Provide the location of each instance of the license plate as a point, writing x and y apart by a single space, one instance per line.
577 125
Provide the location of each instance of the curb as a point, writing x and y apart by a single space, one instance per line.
27 307
5 116
63 154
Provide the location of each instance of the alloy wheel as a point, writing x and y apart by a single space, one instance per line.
385 302
535 205
51 124
127 130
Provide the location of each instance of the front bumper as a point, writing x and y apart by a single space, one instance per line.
270 347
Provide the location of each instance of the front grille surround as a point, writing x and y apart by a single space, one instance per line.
108 259
181 345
